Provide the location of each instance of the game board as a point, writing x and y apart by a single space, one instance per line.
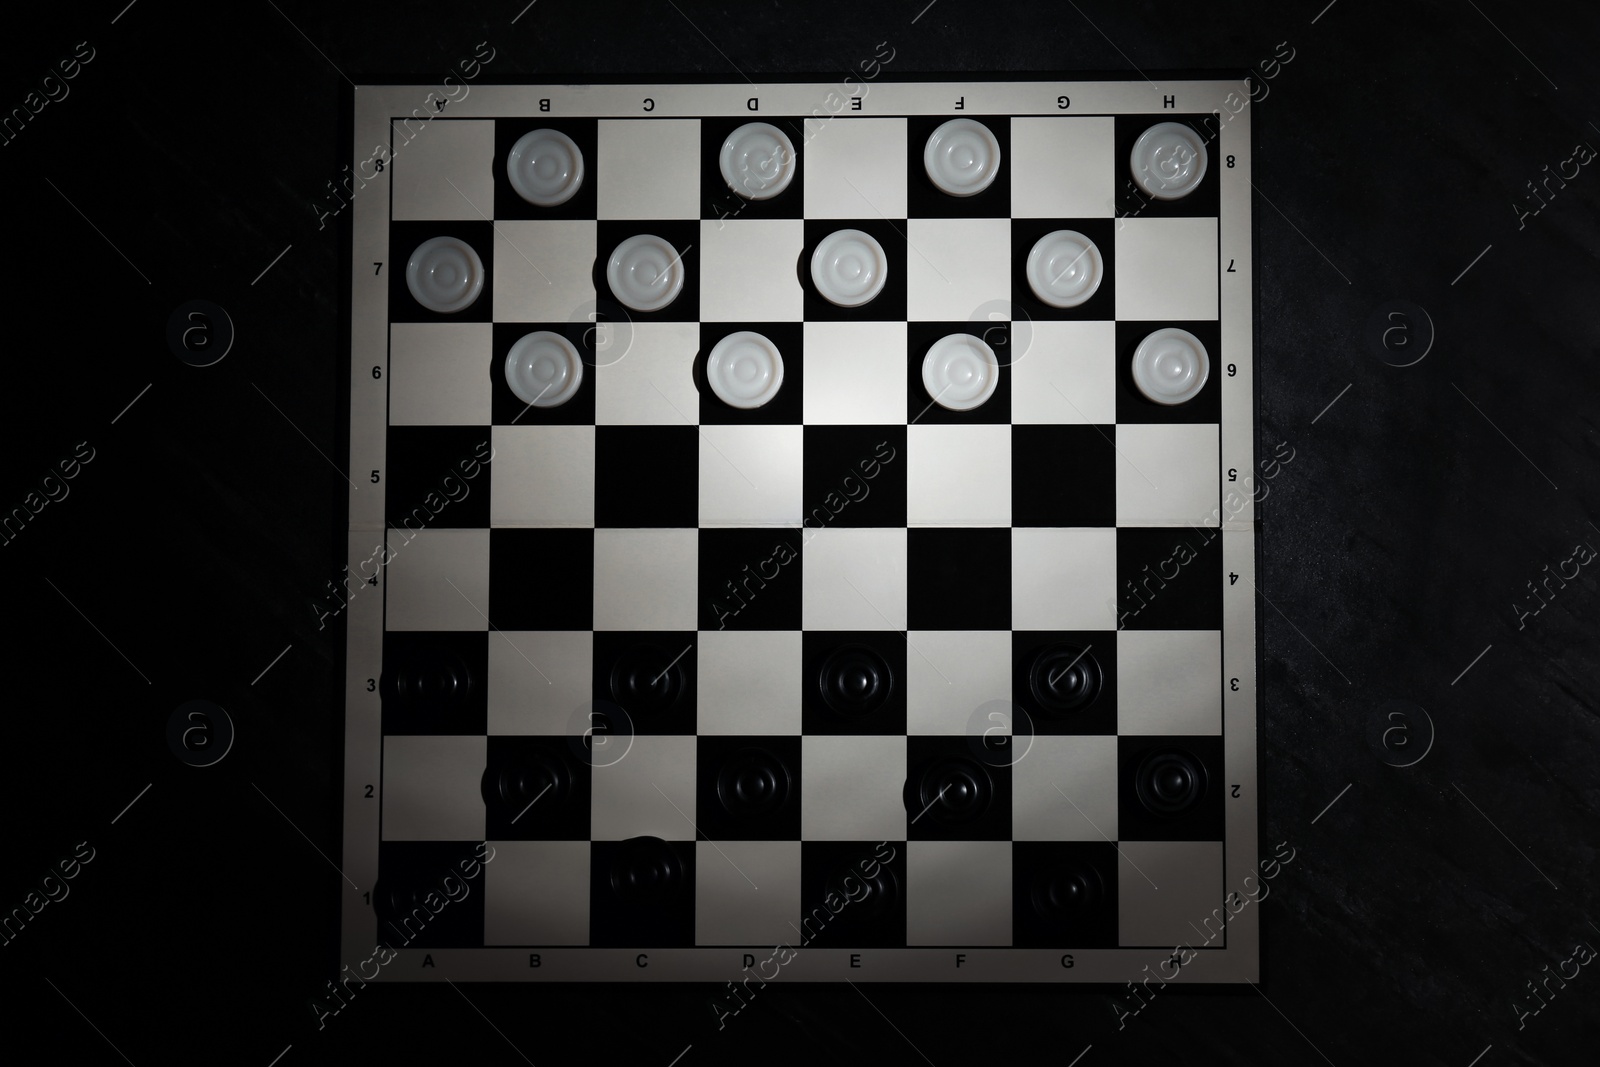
703 627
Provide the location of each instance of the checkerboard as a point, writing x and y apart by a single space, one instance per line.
605 687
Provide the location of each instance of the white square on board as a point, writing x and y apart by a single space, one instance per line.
855 373
647 793
1063 579
1167 475
750 475
646 579
1067 375
855 168
432 788
851 788
747 270
439 373
537 893
854 579
1165 886
1064 167
438 580
542 476
958 475
952 676
749 681
543 271
746 892
651 382
540 681
648 169
958 892
446 172
1169 682
1167 269
1065 789
954 267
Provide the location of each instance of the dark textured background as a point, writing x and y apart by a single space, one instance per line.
1390 152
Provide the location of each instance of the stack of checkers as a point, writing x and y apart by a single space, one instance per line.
805 502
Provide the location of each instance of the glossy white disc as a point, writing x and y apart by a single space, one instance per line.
445 275
849 268
962 157
545 167
758 161
1171 366
960 372
1064 268
1168 160
544 369
745 370
645 272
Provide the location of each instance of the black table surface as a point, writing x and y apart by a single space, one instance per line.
1394 152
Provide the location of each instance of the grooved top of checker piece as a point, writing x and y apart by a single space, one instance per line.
849 268
745 370
960 372
1168 160
545 167
952 790
544 369
962 157
646 872
646 679
1170 782
645 272
445 275
431 682
1171 366
855 681
1068 890
753 783
757 161
1065 678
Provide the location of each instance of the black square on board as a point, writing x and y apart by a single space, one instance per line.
509 205
1133 202
406 237
924 409
1170 788
1169 579
1065 680
510 409
536 789
1025 233
890 304
437 477
429 894
720 202
787 408
650 675
853 893
1064 894
641 893
925 200
748 788
853 682
541 579
750 579
647 476
958 578
854 476
435 682
1063 476
1134 406
975 804
683 235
